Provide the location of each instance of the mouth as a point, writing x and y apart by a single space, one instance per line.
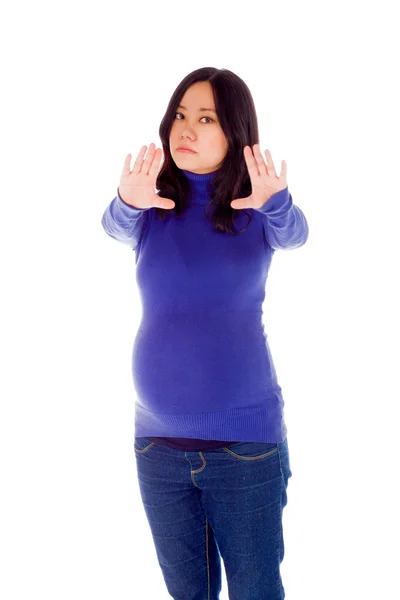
186 150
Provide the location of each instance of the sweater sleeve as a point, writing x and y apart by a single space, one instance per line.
285 225
124 222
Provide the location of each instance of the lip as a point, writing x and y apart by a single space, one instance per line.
182 149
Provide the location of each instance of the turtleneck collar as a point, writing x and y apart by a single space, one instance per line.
200 186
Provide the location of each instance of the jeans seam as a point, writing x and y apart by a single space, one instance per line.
252 457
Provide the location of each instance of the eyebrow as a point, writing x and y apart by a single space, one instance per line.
201 109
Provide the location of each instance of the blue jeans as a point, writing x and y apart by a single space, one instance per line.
205 505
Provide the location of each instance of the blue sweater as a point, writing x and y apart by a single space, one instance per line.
201 362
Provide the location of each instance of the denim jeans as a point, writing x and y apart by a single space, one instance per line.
205 505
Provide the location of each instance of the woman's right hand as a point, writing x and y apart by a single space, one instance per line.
136 187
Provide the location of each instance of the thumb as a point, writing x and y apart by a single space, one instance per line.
240 203
166 203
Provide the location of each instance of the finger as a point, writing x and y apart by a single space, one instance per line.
139 161
146 164
284 170
156 159
262 167
270 163
126 169
239 203
250 162
142 165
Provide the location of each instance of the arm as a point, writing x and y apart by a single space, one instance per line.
285 225
124 222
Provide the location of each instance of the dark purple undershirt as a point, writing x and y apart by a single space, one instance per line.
189 444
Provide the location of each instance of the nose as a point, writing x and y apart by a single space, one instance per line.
187 130
187 133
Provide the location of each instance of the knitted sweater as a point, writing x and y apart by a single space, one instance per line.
202 368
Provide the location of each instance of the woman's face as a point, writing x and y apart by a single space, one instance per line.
199 130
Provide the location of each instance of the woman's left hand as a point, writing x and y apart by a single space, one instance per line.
264 180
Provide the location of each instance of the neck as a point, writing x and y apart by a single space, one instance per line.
200 186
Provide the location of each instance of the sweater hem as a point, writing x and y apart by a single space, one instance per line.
242 425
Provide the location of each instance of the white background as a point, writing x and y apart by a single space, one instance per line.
84 84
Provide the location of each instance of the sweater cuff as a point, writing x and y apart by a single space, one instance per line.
128 209
277 202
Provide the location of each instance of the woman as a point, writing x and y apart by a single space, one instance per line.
210 436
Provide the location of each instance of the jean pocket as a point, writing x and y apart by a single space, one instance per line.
142 445
252 450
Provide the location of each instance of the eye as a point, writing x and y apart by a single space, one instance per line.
209 118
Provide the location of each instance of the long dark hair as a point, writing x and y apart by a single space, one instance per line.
236 112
